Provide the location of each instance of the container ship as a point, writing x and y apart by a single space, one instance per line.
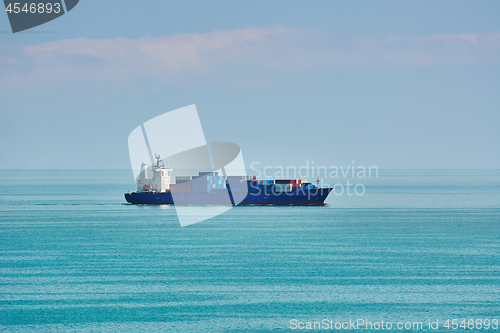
211 188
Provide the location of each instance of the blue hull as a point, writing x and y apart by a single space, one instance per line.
298 196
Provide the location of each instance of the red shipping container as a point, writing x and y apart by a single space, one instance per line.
183 187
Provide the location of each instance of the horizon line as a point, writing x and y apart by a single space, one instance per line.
128 169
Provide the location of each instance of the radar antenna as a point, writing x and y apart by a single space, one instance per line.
158 160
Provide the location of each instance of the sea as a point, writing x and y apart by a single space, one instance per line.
419 250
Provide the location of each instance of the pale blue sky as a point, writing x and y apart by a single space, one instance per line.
396 84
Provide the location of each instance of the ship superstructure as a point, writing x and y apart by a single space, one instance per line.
159 179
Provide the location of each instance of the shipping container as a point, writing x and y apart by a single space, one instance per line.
214 179
176 188
207 173
236 177
282 181
200 184
183 179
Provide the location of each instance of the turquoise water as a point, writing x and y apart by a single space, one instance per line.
418 245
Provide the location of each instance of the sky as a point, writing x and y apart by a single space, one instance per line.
393 84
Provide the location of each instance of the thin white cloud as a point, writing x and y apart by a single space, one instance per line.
171 57
460 38
451 49
169 54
